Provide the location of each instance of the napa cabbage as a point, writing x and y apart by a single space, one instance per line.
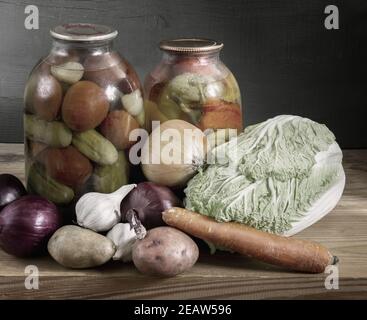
271 176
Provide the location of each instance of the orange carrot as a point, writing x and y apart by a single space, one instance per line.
291 253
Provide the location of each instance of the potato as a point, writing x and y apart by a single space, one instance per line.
117 127
78 248
165 251
66 165
85 106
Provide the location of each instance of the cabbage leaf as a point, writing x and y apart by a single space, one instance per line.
268 176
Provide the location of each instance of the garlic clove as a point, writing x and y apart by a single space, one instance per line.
133 102
122 192
69 72
124 238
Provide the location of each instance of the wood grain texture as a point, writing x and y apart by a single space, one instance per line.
285 61
223 275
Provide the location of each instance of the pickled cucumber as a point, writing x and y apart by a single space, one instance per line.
53 133
109 178
95 147
39 182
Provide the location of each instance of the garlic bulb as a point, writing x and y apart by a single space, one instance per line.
124 237
99 211
173 153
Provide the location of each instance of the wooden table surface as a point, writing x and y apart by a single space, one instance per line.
222 275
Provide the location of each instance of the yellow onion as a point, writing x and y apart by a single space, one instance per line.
173 153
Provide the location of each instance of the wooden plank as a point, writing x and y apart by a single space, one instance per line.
219 276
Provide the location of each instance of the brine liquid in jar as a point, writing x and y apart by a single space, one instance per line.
191 83
81 103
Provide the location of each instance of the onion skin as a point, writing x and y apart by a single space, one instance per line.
11 189
27 224
149 200
188 156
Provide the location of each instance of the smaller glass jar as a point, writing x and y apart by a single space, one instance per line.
81 103
191 83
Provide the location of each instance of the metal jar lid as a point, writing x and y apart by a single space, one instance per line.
83 32
187 45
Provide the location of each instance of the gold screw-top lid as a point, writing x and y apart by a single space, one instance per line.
83 32
191 45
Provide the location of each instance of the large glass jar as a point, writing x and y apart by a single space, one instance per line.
191 83
81 102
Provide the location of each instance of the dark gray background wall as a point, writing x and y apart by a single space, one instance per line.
282 55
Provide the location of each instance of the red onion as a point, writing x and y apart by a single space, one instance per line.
148 200
11 188
27 224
